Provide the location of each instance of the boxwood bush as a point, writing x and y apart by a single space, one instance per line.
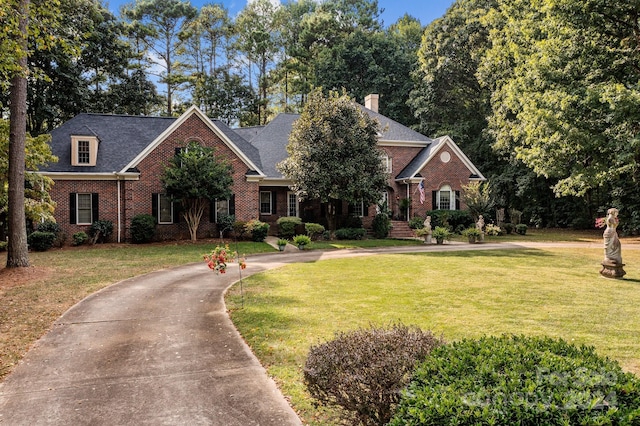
257 229
518 380
350 233
143 228
363 371
452 219
381 225
287 226
41 241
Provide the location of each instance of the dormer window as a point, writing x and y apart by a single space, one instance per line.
84 150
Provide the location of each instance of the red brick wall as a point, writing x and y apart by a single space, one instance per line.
137 195
107 204
151 168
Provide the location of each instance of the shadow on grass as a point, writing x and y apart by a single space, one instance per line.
491 253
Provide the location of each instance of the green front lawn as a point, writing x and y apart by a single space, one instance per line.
555 292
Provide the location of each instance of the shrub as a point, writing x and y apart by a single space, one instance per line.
80 238
239 229
314 230
100 230
287 226
41 241
301 240
416 222
49 226
381 225
364 371
225 223
3 245
521 229
493 230
54 228
257 229
352 222
143 228
452 219
350 233
508 227
519 380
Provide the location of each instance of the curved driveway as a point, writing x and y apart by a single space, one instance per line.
158 349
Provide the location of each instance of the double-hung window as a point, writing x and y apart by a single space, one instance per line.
165 209
265 202
83 208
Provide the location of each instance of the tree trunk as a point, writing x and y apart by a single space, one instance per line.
17 250
192 215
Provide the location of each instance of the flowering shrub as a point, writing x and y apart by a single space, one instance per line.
493 230
220 256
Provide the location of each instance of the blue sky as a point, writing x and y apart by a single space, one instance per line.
425 10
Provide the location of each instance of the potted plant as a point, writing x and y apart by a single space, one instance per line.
282 243
441 234
301 241
473 234
424 232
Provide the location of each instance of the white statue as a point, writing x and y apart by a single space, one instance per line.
612 247
480 227
427 228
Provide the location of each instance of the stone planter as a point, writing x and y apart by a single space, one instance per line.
281 247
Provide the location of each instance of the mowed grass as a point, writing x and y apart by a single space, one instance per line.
554 292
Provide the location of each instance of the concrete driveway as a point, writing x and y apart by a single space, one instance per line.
158 349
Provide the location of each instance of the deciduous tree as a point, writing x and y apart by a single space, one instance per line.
194 178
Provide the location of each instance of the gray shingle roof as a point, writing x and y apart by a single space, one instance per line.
393 131
249 150
120 137
272 143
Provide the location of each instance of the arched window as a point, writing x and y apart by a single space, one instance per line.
446 199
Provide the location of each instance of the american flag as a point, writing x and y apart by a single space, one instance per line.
421 189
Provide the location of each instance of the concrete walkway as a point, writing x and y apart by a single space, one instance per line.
159 349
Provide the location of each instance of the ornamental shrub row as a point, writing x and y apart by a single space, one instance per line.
504 380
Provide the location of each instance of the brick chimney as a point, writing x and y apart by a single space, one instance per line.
371 102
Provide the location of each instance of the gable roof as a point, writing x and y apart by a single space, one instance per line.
111 130
272 143
419 162
230 138
392 131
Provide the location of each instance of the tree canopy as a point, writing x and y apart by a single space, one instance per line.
194 178
333 152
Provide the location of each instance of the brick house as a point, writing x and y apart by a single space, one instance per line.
109 168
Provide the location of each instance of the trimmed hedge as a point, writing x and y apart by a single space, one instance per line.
364 371
519 380
453 219
143 228
41 241
287 226
350 233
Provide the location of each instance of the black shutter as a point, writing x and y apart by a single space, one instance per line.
365 210
339 207
351 209
274 209
176 211
94 207
457 200
232 204
434 200
178 151
72 208
154 206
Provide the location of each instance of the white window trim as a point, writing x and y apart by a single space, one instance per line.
160 196
452 197
297 206
93 150
78 222
270 202
355 206
215 206
387 162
